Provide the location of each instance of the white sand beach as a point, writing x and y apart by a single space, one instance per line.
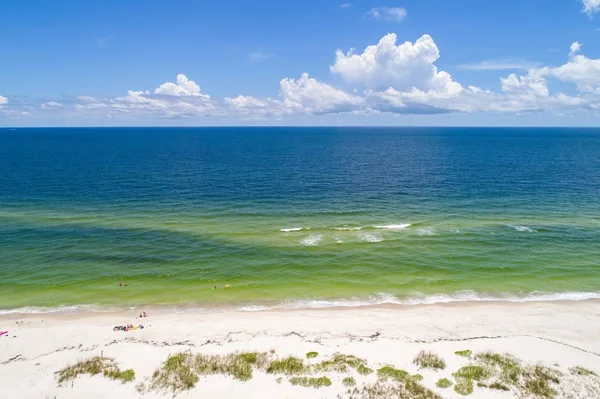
561 335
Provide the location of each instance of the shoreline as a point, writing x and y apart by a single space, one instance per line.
563 333
377 301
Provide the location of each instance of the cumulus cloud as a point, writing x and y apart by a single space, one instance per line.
385 77
580 70
389 14
253 108
311 96
591 6
169 100
183 87
403 67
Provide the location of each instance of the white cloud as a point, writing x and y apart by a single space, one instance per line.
170 100
345 5
580 70
385 78
575 48
500 65
402 67
50 105
591 6
252 108
531 84
389 14
259 56
311 96
183 87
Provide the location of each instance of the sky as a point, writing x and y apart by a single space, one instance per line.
309 62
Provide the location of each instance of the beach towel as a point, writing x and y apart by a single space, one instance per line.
3 332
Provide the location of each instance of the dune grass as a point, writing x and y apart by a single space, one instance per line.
96 365
349 381
444 383
311 382
289 365
429 360
312 355
577 370
464 353
463 386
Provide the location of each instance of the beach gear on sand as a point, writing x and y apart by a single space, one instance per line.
3 332
128 327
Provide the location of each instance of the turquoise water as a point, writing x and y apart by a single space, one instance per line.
297 217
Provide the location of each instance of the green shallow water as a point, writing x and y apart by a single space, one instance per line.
297 217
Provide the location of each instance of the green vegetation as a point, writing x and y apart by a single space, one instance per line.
289 365
175 374
183 370
364 370
444 383
383 390
340 363
499 386
96 365
472 372
312 355
123 376
464 353
349 381
463 386
417 377
581 371
504 372
429 360
390 372
311 382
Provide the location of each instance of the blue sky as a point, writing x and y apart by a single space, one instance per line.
74 62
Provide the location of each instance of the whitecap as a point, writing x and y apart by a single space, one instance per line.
426 231
460 296
393 226
291 229
522 228
348 228
368 237
312 240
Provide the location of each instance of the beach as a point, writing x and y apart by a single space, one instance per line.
559 334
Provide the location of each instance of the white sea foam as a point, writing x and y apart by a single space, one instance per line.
338 240
312 240
393 226
348 228
378 299
291 229
426 231
369 237
41 310
522 228
461 296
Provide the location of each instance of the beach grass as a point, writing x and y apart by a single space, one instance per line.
464 353
444 383
96 365
311 382
429 360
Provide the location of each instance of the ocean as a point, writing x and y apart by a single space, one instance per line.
260 218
